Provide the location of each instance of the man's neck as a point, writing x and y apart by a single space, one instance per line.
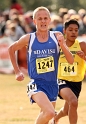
42 36
69 43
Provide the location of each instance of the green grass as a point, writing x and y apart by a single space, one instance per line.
15 107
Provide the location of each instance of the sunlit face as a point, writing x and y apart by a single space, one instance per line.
42 20
71 32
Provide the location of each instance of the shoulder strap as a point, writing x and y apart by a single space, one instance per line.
52 35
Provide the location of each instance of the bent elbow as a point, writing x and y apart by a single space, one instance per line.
10 49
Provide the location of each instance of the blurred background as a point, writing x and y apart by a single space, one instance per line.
52 4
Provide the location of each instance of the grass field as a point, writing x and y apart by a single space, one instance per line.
15 107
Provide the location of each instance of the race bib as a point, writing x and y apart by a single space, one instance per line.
68 69
61 82
31 87
44 65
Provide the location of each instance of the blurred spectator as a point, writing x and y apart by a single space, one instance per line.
82 12
84 26
17 6
58 24
76 16
55 20
5 63
29 28
72 12
59 27
22 22
7 30
2 19
16 30
62 12
65 17
28 17
6 15
13 12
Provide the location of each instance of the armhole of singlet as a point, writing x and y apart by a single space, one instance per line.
52 34
28 42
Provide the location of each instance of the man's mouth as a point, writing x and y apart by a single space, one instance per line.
43 25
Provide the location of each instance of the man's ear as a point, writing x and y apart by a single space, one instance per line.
63 31
50 20
34 21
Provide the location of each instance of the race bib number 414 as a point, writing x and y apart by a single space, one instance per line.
44 65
